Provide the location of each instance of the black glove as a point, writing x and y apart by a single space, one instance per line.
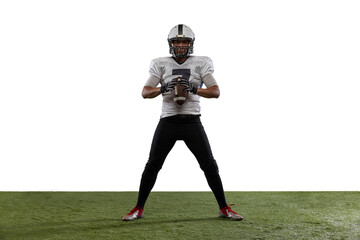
188 86
169 86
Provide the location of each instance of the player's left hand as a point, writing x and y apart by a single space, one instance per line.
188 86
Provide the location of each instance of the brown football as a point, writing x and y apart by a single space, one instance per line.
178 94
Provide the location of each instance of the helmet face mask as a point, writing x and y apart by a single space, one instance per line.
180 47
181 33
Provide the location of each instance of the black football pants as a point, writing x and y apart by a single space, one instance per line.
189 129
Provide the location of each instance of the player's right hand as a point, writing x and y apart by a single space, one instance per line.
169 86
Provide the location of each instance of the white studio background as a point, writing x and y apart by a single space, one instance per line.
72 117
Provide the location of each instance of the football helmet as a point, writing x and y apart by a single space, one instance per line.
181 32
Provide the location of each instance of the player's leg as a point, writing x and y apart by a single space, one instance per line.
198 143
163 142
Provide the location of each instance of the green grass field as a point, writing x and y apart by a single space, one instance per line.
179 215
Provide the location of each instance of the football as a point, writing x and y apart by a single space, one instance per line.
178 94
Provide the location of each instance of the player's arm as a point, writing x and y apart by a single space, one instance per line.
210 92
150 92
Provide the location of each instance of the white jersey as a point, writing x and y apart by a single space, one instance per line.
195 68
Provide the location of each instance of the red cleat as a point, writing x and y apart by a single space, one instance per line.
136 213
226 212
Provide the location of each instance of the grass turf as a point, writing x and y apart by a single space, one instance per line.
179 215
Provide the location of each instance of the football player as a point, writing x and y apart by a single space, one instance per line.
181 122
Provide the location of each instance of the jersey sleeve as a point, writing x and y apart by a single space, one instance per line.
208 67
153 81
209 80
155 69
